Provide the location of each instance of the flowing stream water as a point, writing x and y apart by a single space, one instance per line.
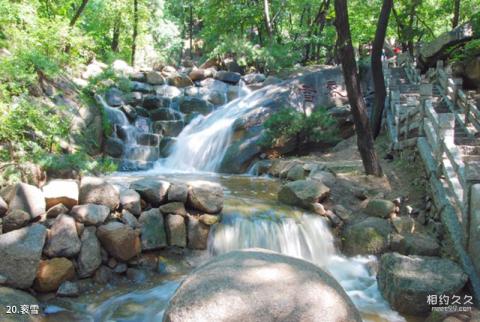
252 217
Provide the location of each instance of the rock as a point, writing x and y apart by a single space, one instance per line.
193 104
136 275
98 191
209 220
325 177
154 78
176 208
199 74
61 192
20 251
303 193
415 244
129 219
129 111
166 145
228 77
28 198
152 102
168 128
103 275
232 66
216 98
119 240
63 238
380 208
271 80
3 207
254 78
168 91
178 192
369 236
149 139
130 201
16 298
403 224
152 190
296 173
164 114
16 219
133 98
180 80
114 97
90 214
406 281
114 147
205 196
153 230
141 87
260 285
120 268
176 230
197 233
68 289
90 257
319 209
52 273
240 154
57 210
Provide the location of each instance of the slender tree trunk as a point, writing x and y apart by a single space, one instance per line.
355 97
135 30
191 31
456 13
116 35
78 13
377 70
266 16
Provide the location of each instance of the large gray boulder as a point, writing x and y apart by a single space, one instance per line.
153 229
205 196
176 230
259 285
130 200
407 281
368 236
303 193
98 191
152 191
63 238
119 240
90 257
16 298
197 233
20 253
61 192
28 198
90 214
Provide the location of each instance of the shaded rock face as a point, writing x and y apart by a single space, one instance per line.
415 244
406 281
303 193
153 230
90 257
369 236
28 198
153 191
197 233
98 191
52 273
114 147
119 240
176 230
61 192
380 208
20 252
63 238
259 285
12 297
16 219
205 196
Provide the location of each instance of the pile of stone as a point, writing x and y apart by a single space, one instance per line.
52 237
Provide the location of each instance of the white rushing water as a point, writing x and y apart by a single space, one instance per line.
307 238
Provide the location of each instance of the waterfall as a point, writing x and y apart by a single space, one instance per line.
308 238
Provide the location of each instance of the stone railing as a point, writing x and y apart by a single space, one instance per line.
430 115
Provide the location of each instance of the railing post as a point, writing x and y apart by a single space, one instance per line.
445 135
426 92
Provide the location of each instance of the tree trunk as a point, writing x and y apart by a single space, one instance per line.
78 13
135 31
266 16
456 13
377 70
350 74
116 35
191 31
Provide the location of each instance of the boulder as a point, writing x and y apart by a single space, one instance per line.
20 253
168 91
403 224
119 240
103 275
178 192
16 298
415 244
176 230
240 154
152 102
369 236
28 198
153 230
193 104
168 128
228 77
296 173
154 78
153 191
52 273
114 97
141 87
16 219
217 98
68 289
209 220
90 214
148 139
205 196
380 208
130 112
114 147
63 238
3 207
165 114
137 76
130 200
406 281
303 193
133 98
61 192
129 219
254 78
90 257
197 233
180 80
260 285
98 191
177 208
56 211
200 74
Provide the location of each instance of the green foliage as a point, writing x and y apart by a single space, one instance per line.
78 161
465 52
289 123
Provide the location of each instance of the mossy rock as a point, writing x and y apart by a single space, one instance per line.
369 236
380 208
